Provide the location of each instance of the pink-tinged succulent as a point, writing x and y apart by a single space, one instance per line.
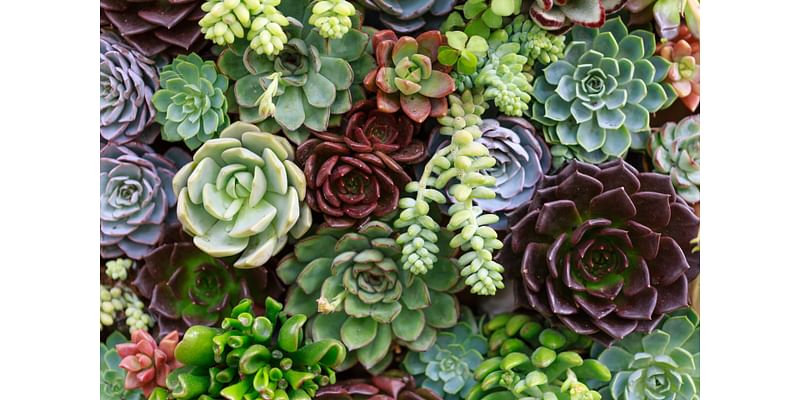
146 362
684 72
409 76
560 15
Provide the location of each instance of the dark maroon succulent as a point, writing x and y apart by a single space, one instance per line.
359 173
392 385
604 249
156 27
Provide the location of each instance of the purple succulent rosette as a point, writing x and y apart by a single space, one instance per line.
128 80
136 198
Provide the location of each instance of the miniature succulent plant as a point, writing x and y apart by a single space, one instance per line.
675 150
243 195
561 15
506 81
604 250
128 80
408 75
191 103
485 15
595 104
332 17
684 71
148 363
156 27
254 357
112 376
448 366
136 199
664 364
408 16
118 269
465 52
391 385
225 21
187 287
536 44
352 286
668 15
522 333
119 304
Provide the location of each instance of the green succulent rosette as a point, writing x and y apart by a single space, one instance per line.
253 357
664 364
595 103
518 332
354 289
675 151
112 377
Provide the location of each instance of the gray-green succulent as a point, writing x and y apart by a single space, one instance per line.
675 151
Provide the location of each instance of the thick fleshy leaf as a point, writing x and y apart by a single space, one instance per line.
358 332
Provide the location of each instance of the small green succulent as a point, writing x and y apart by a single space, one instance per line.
191 103
332 17
118 269
536 44
465 52
506 81
118 303
112 377
517 332
484 15
226 21
675 150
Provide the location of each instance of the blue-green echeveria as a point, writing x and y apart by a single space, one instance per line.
675 151
595 104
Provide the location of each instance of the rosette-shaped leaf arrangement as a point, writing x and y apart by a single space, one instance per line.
604 250
662 365
359 174
391 385
448 366
668 15
675 150
561 15
408 16
112 376
136 198
191 103
254 357
148 363
188 287
127 83
684 70
409 76
522 333
243 195
352 284
156 27
595 104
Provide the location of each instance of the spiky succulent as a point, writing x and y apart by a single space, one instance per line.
684 71
675 150
448 366
506 81
668 15
520 332
148 363
254 357
332 17
191 103
561 15
391 385
112 377
595 104
408 16
465 52
352 285
604 250
407 77
243 195
664 364
536 44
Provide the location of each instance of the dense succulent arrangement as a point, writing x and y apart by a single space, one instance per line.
431 199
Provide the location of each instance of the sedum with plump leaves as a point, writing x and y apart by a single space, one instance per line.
332 17
506 81
675 151
538 45
521 332
226 20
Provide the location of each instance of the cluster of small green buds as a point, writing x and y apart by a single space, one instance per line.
332 17
266 107
114 300
506 81
420 238
266 35
536 44
118 269
226 20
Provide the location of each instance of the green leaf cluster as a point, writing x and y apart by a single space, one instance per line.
465 52
112 377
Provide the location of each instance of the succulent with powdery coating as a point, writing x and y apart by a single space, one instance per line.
561 15
408 76
662 365
605 250
148 363
243 195
595 104
128 80
684 71
675 150
156 27
112 377
391 385
136 199
408 16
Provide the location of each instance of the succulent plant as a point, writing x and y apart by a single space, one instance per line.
156 27
188 287
128 80
664 364
536 44
243 195
522 333
148 363
391 385
112 377
605 250
506 81
684 71
118 269
254 357
119 304
332 17
408 75
668 15
465 52
136 199
350 284
675 150
191 103
595 104
408 16
486 15
561 15
225 21
448 366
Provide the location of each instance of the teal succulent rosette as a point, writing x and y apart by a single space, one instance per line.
112 376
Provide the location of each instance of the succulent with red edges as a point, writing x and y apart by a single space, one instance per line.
683 53
156 27
604 249
409 75
147 363
561 15
392 385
